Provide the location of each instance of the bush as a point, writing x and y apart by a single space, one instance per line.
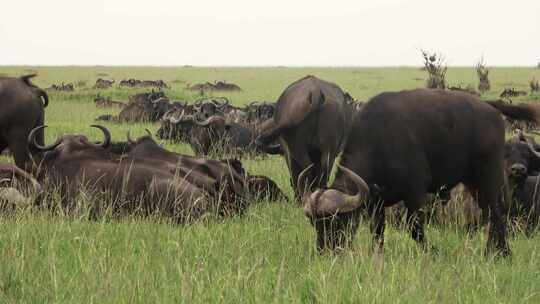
483 73
434 65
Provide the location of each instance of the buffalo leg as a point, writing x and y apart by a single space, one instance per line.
416 219
376 211
18 147
490 186
415 224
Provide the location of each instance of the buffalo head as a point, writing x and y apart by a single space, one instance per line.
70 143
521 158
332 212
207 108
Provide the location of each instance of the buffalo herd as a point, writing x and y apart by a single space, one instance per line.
396 149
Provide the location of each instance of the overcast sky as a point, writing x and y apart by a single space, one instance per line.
268 33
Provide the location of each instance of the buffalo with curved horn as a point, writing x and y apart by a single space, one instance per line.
409 144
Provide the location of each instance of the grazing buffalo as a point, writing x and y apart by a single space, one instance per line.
75 166
22 107
410 143
312 120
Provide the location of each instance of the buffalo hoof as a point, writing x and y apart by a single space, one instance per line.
498 253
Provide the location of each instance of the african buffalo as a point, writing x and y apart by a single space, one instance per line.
407 144
176 124
205 108
76 167
65 87
233 138
224 180
216 86
142 107
520 157
257 112
526 199
103 83
312 120
22 107
107 102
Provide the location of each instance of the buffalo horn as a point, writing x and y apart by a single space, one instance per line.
210 120
353 201
107 136
32 141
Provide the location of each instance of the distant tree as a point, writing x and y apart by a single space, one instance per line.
483 72
436 68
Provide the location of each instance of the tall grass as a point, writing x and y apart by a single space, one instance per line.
267 255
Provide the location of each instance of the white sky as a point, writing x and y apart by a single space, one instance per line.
271 32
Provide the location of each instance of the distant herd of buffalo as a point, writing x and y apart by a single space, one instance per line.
398 147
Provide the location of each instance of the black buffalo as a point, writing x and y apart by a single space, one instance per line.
74 166
312 121
410 143
22 108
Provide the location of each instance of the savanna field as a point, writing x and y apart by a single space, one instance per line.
267 255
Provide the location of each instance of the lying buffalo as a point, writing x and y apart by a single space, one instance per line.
223 180
410 143
103 83
22 107
136 83
512 92
216 86
63 87
74 166
233 138
144 107
312 119
107 102
222 172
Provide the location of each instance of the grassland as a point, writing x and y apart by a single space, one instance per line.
265 256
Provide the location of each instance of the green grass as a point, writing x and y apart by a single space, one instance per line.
268 255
